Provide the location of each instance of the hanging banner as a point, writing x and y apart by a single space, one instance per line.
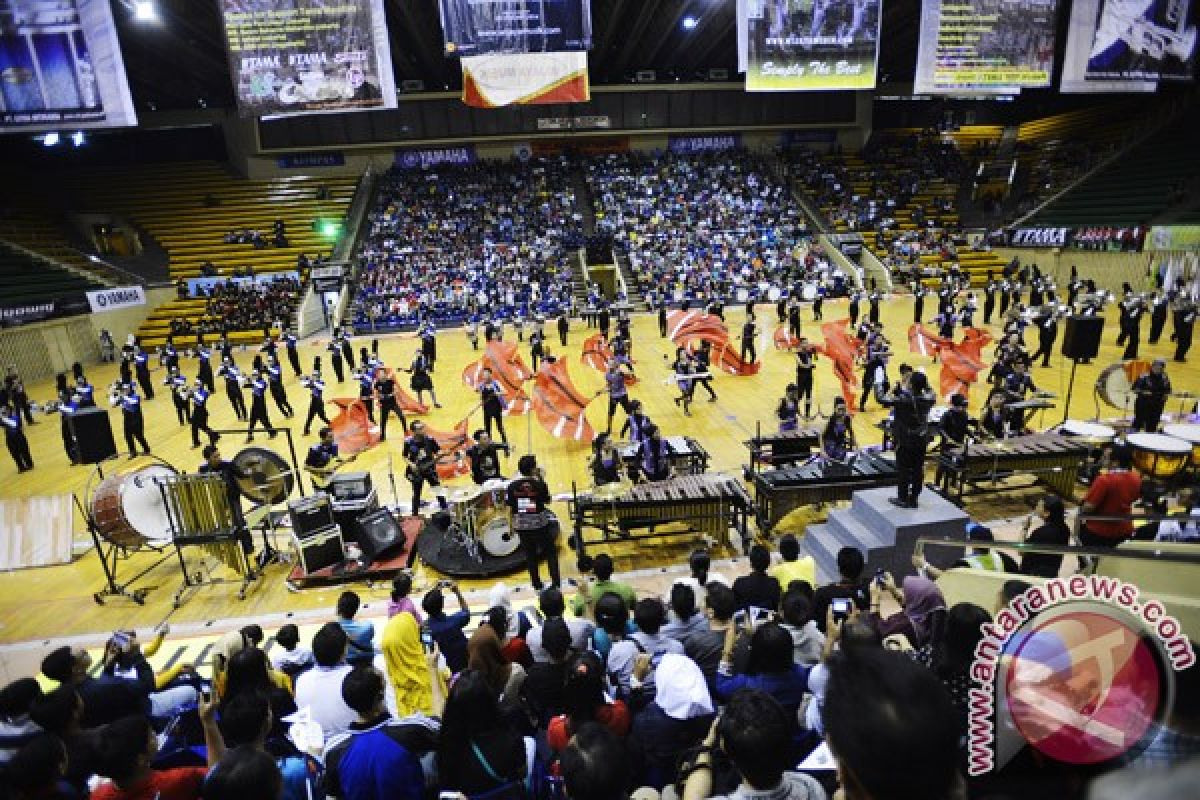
103 300
478 27
333 158
1040 237
704 144
832 44
70 305
62 67
985 46
1123 46
532 79
308 56
423 159
1175 237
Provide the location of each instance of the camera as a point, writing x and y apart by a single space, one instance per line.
427 640
841 608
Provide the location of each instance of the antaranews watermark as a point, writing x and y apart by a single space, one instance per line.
1079 668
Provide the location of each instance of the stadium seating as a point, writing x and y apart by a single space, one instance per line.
29 280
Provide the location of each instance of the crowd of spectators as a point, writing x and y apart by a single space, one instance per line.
720 688
703 226
455 242
240 306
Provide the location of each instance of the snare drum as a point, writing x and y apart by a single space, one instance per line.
1157 455
1091 432
128 508
1189 434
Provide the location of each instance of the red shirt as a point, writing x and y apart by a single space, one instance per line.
1113 493
170 784
614 716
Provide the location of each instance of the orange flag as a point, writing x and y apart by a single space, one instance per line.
688 327
559 405
597 355
508 369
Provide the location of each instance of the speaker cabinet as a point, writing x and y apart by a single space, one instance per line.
91 429
320 549
1081 341
379 534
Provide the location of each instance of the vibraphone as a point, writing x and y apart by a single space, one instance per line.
199 515
684 454
779 449
709 504
778 492
1051 458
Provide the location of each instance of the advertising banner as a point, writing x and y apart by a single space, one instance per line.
11 316
308 57
1123 46
61 66
197 286
1040 237
1175 237
103 300
704 144
478 27
826 44
334 158
423 159
533 79
985 46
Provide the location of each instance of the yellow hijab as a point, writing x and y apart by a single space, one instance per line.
406 669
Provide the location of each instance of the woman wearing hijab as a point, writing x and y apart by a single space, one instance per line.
408 672
484 655
922 609
676 721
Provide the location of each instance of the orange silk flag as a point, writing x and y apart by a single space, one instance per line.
451 459
560 406
691 327
961 362
508 369
406 402
597 355
352 430
842 350
784 339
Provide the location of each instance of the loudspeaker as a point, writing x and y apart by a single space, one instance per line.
312 513
319 549
91 429
379 534
1081 341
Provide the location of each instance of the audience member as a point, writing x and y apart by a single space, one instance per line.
552 606
319 689
589 591
480 753
360 636
17 729
677 719
594 766
922 609
794 567
415 684
849 585
758 589
584 701
807 640
447 629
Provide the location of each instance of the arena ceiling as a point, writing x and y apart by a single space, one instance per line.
180 62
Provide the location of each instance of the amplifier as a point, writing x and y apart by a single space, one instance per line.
347 516
311 513
319 549
349 486
368 502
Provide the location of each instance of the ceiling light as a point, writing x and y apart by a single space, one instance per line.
690 22
77 138
50 139
145 10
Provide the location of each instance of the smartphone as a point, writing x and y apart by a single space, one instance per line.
841 608
879 576
427 641
739 616
762 615
121 639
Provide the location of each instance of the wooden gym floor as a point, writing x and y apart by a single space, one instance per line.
36 604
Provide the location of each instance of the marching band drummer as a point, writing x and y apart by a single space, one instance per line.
605 464
838 437
1152 390
637 423
484 457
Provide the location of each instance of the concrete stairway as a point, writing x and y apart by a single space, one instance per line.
886 534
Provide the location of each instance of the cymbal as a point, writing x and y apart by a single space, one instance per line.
611 491
495 484
268 479
465 494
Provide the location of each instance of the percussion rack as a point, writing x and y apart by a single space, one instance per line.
111 555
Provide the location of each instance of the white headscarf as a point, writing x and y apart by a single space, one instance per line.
682 692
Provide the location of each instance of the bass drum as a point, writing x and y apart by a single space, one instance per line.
129 511
1115 384
496 536
809 292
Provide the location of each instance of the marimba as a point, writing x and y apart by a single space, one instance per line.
684 455
710 504
1052 458
782 448
778 492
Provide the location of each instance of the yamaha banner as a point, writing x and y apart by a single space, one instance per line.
479 27
423 159
704 144
103 300
308 56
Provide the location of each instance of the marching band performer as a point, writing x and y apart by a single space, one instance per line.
141 368
1152 390
996 421
684 372
385 386
14 437
334 348
204 364
788 410
637 423
316 402
366 389
1047 325
134 421
199 416
233 387
954 427
258 406
653 456
274 375
806 362
703 359
606 463
910 404
422 381
491 400
1159 305
484 457
293 353
615 383
420 453
170 356
177 385
838 437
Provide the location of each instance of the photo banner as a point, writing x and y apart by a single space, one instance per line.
985 46
62 67
1124 46
808 46
479 27
308 57
530 79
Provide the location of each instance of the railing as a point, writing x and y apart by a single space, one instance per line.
124 275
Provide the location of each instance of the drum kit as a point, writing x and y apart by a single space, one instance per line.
481 521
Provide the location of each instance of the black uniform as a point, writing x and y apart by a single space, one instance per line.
200 395
1186 323
1047 333
16 396
853 308
135 423
141 367
485 461
1151 400
564 325
233 389
989 302
603 320
177 385
230 473
278 392
335 360
422 469
429 345
1158 319
534 526
910 428
366 394
748 331
662 319
293 354
14 437
954 426
204 371
873 313
703 358
492 397
386 386
348 352
805 365
258 408
536 347
919 305
316 404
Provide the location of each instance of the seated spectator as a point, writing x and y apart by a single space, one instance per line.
590 591
612 623
542 690
248 673
484 656
951 655
892 729
234 642
686 619
850 585
319 689
447 629
676 721
400 601
584 701
846 638
16 727
552 606
793 567
758 589
415 685
293 658
922 609
480 753
510 625
246 723
974 557
245 772
771 668
59 712
705 647
35 770
1053 530
699 563
754 732
807 640
594 766
105 698
648 617
360 636
378 757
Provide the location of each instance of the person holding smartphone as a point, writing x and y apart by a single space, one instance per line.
447 629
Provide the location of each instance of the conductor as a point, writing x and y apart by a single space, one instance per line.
910 404
1152 390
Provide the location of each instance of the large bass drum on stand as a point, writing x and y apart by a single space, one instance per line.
129 511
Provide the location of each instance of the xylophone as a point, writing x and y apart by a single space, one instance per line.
709 504
684 454
1050 457
778 492
782 448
